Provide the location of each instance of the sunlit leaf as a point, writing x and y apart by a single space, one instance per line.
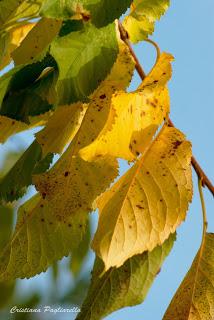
194 299
40 238
77 181
13 10
37 41
61 128
134 117
9 127
99 12
141 20
148 203
10 41
125 286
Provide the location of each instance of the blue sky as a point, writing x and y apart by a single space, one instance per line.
186 31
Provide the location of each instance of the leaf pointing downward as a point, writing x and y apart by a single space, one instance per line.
194 299
125 286
138 213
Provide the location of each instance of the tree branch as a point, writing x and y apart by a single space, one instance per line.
199 171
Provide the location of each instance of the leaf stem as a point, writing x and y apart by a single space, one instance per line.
203 210
199 171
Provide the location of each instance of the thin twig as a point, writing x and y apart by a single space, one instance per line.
199 171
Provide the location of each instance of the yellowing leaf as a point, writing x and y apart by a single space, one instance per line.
39 239
9 127
72 179
61 128
125 286
194 299
36 41
15 37
148 203
141 20
134 117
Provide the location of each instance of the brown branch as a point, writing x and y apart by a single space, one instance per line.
199 171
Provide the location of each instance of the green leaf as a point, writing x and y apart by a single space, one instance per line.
194 299
6 224
39 239
100 12
84 59
27 92
79 254
13 10
14 183
141 20
125 286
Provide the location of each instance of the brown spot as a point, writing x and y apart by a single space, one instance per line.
66 173
147 172
139 206
80 225
176 144
103 96
43 220
69 225
43 195
41 205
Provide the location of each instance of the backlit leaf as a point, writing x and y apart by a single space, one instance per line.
79 254
125 286
13 184
84 59
141 20
100 12
61 128
37 41
40 238
194 299
134 117
13 10
77 181
148 203
9 127
10 41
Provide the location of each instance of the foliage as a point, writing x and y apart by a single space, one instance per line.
72 80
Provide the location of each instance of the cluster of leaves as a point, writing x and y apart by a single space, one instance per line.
70 75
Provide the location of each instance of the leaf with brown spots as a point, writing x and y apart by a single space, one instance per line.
72 179
194 300
148 203
61 128
37 41
39 239
134 117
9 127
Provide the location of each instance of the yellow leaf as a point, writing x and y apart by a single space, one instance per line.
16 36
194 299
9 127
140 22
148 203
39 239
72 179
61 128
134 117
37 40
